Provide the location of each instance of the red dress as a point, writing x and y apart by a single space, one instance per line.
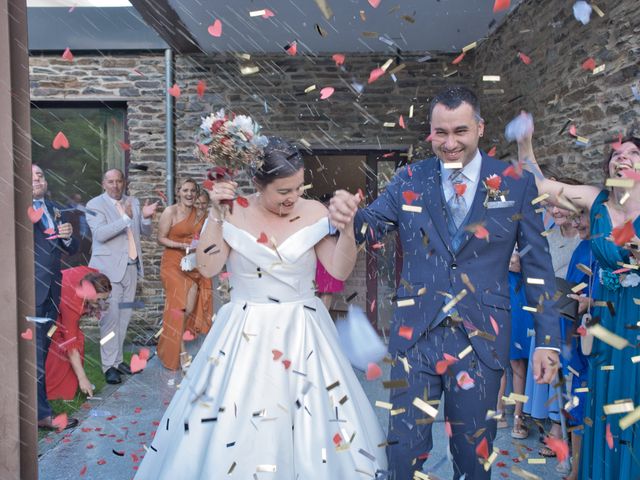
61 380
325 282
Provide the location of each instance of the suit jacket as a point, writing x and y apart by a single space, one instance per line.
431 267
110 246
47 254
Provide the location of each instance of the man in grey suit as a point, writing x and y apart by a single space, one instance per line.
116 225
458 216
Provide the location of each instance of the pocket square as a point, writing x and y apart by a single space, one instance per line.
501 204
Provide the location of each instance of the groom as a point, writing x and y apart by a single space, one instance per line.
458 218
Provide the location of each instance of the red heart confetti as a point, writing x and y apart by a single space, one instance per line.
338 58
242 201
374 3
375 74
35 214
373 371
83 471
498 6
559 446
525 58
482 450
187 336
287 364
200 89
406 332
215 30
481 232
174 91
292 48
409 196
460 188
623 234
102 461
572 131
492 152
268 13
224 276
401 122
276 354
263 238
589 64
337 439
326 92
144 354
137 364
27 334
447 428
67 55
124 146
494 324
609 437
60 141
208 184
458 59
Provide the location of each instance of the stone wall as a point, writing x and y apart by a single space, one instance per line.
555 87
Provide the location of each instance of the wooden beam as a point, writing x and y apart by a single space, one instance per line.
161 16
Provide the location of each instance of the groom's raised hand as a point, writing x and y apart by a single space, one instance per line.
343 208
545 365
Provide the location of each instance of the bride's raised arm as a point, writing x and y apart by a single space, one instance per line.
560 194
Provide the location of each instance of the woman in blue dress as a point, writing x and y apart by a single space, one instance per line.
611 444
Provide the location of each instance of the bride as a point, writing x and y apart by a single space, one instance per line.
270 394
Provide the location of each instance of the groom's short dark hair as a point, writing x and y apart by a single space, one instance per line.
453 97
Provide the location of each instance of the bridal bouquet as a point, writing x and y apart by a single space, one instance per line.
229 144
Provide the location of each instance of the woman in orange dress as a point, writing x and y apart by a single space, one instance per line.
84 290
199 322
177 230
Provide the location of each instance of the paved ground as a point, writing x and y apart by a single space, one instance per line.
109 442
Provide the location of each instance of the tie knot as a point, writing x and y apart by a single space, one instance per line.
456 176
38 203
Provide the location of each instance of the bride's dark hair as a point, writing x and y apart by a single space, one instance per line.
280 159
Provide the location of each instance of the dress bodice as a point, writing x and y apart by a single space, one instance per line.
260 273
607 253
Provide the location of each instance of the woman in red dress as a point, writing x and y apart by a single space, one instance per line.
84 290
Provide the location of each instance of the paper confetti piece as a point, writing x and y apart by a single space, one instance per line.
263 238
373 371
465 382
406 332
375 74
623 234
482 450
374 3
618 407
249 69
479 231
215 30
468 349
60 141
609 436
500 5
525 58
494 324
589 64
107 337
629 419
409 196
67 55
460 188
458 59
35 214
338 58
326 92
27 334
174 91
200 89
425 407
292 48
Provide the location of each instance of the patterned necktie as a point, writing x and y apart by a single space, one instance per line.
456 203
45 218
133 251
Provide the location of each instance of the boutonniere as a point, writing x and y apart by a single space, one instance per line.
56 214
494 194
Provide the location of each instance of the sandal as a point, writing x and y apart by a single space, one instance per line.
520 430
502 421
545 451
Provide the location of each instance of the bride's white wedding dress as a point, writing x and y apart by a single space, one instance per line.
270 395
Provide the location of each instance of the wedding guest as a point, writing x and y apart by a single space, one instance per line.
84 292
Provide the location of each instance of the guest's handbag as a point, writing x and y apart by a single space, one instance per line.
188 262
586 340
360 342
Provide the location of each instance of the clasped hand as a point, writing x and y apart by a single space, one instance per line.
343 208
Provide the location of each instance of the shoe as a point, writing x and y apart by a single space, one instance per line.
124 368
520 430
47 424
112 376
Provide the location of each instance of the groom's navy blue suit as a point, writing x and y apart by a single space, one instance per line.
440 261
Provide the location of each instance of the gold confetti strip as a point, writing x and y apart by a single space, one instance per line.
257 13
412 208
333 385
310 88
53 329
305 143
465 352
249 69
490 460
363 16
405 364
584 269
232 468
481 334
580 139
635 359
582 390
629 419
540 198
625 197
465 279
402 383
395 70
535 281
636 301
471 46
527 308
452 165
536 461
597 10
607 368
325 8
266 468
389 124
418 475
491 78
387 64
411 111
619 182
425 407
422 291
578 288
508 400
600 303
243 56
107 337
608 337
620 406
407 302
518 397
397 411
598 69
450 74
385 405
307 187
455 300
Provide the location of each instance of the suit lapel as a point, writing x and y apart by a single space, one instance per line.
478 211
432 200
